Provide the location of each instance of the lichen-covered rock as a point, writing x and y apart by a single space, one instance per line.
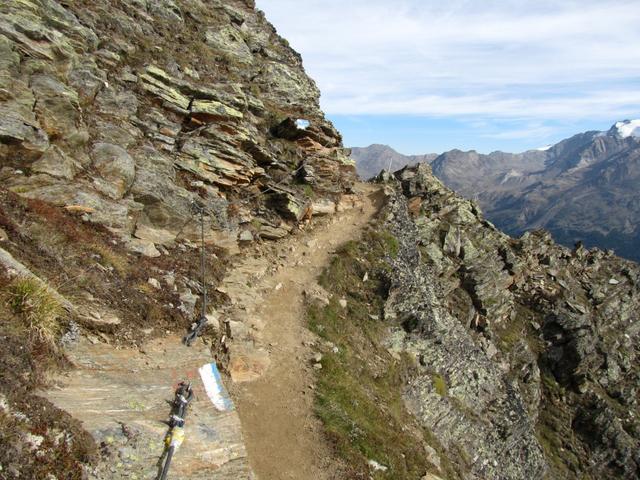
213 109
527 352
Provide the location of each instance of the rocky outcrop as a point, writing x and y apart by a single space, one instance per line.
120 121
124 410
134 111
527 351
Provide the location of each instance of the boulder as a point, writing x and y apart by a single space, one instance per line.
143 247
272 233
116 168
323 207
290 206
56 163
27 140
57 106
224 240
245 236
156 236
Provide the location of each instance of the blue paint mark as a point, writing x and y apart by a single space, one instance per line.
228 404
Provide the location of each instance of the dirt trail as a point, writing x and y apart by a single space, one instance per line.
282 436
120 394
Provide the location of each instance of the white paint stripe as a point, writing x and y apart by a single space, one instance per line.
214 387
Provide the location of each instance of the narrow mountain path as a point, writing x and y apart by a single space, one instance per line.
283 438
120 394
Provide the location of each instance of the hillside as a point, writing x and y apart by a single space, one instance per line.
585 192
382 330
524 349
121 120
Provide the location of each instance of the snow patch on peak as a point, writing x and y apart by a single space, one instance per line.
628 128
544 149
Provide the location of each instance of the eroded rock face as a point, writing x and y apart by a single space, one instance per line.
527 351
136 110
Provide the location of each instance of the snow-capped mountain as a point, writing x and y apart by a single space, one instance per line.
582 188
627 128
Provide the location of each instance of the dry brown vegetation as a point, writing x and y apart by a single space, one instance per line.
88 266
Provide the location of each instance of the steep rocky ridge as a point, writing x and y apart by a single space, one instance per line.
523 354
120 120
537 344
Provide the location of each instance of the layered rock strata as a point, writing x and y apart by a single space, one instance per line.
135 110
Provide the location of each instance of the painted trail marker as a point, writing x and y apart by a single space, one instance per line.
215 388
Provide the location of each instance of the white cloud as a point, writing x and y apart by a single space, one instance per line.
509 58
604 104
528 131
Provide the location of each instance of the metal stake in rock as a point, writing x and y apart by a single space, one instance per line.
197 326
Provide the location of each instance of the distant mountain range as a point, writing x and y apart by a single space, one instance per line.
373 159
586 187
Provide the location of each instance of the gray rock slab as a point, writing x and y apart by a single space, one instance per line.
120 396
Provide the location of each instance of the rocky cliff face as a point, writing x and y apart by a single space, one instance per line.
527 352
131 111
117 119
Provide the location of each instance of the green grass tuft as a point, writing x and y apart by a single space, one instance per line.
308 191
391 243
38 306
110 259
440 384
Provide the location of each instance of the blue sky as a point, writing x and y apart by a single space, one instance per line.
429 76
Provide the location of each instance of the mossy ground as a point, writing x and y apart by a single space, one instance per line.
359 389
